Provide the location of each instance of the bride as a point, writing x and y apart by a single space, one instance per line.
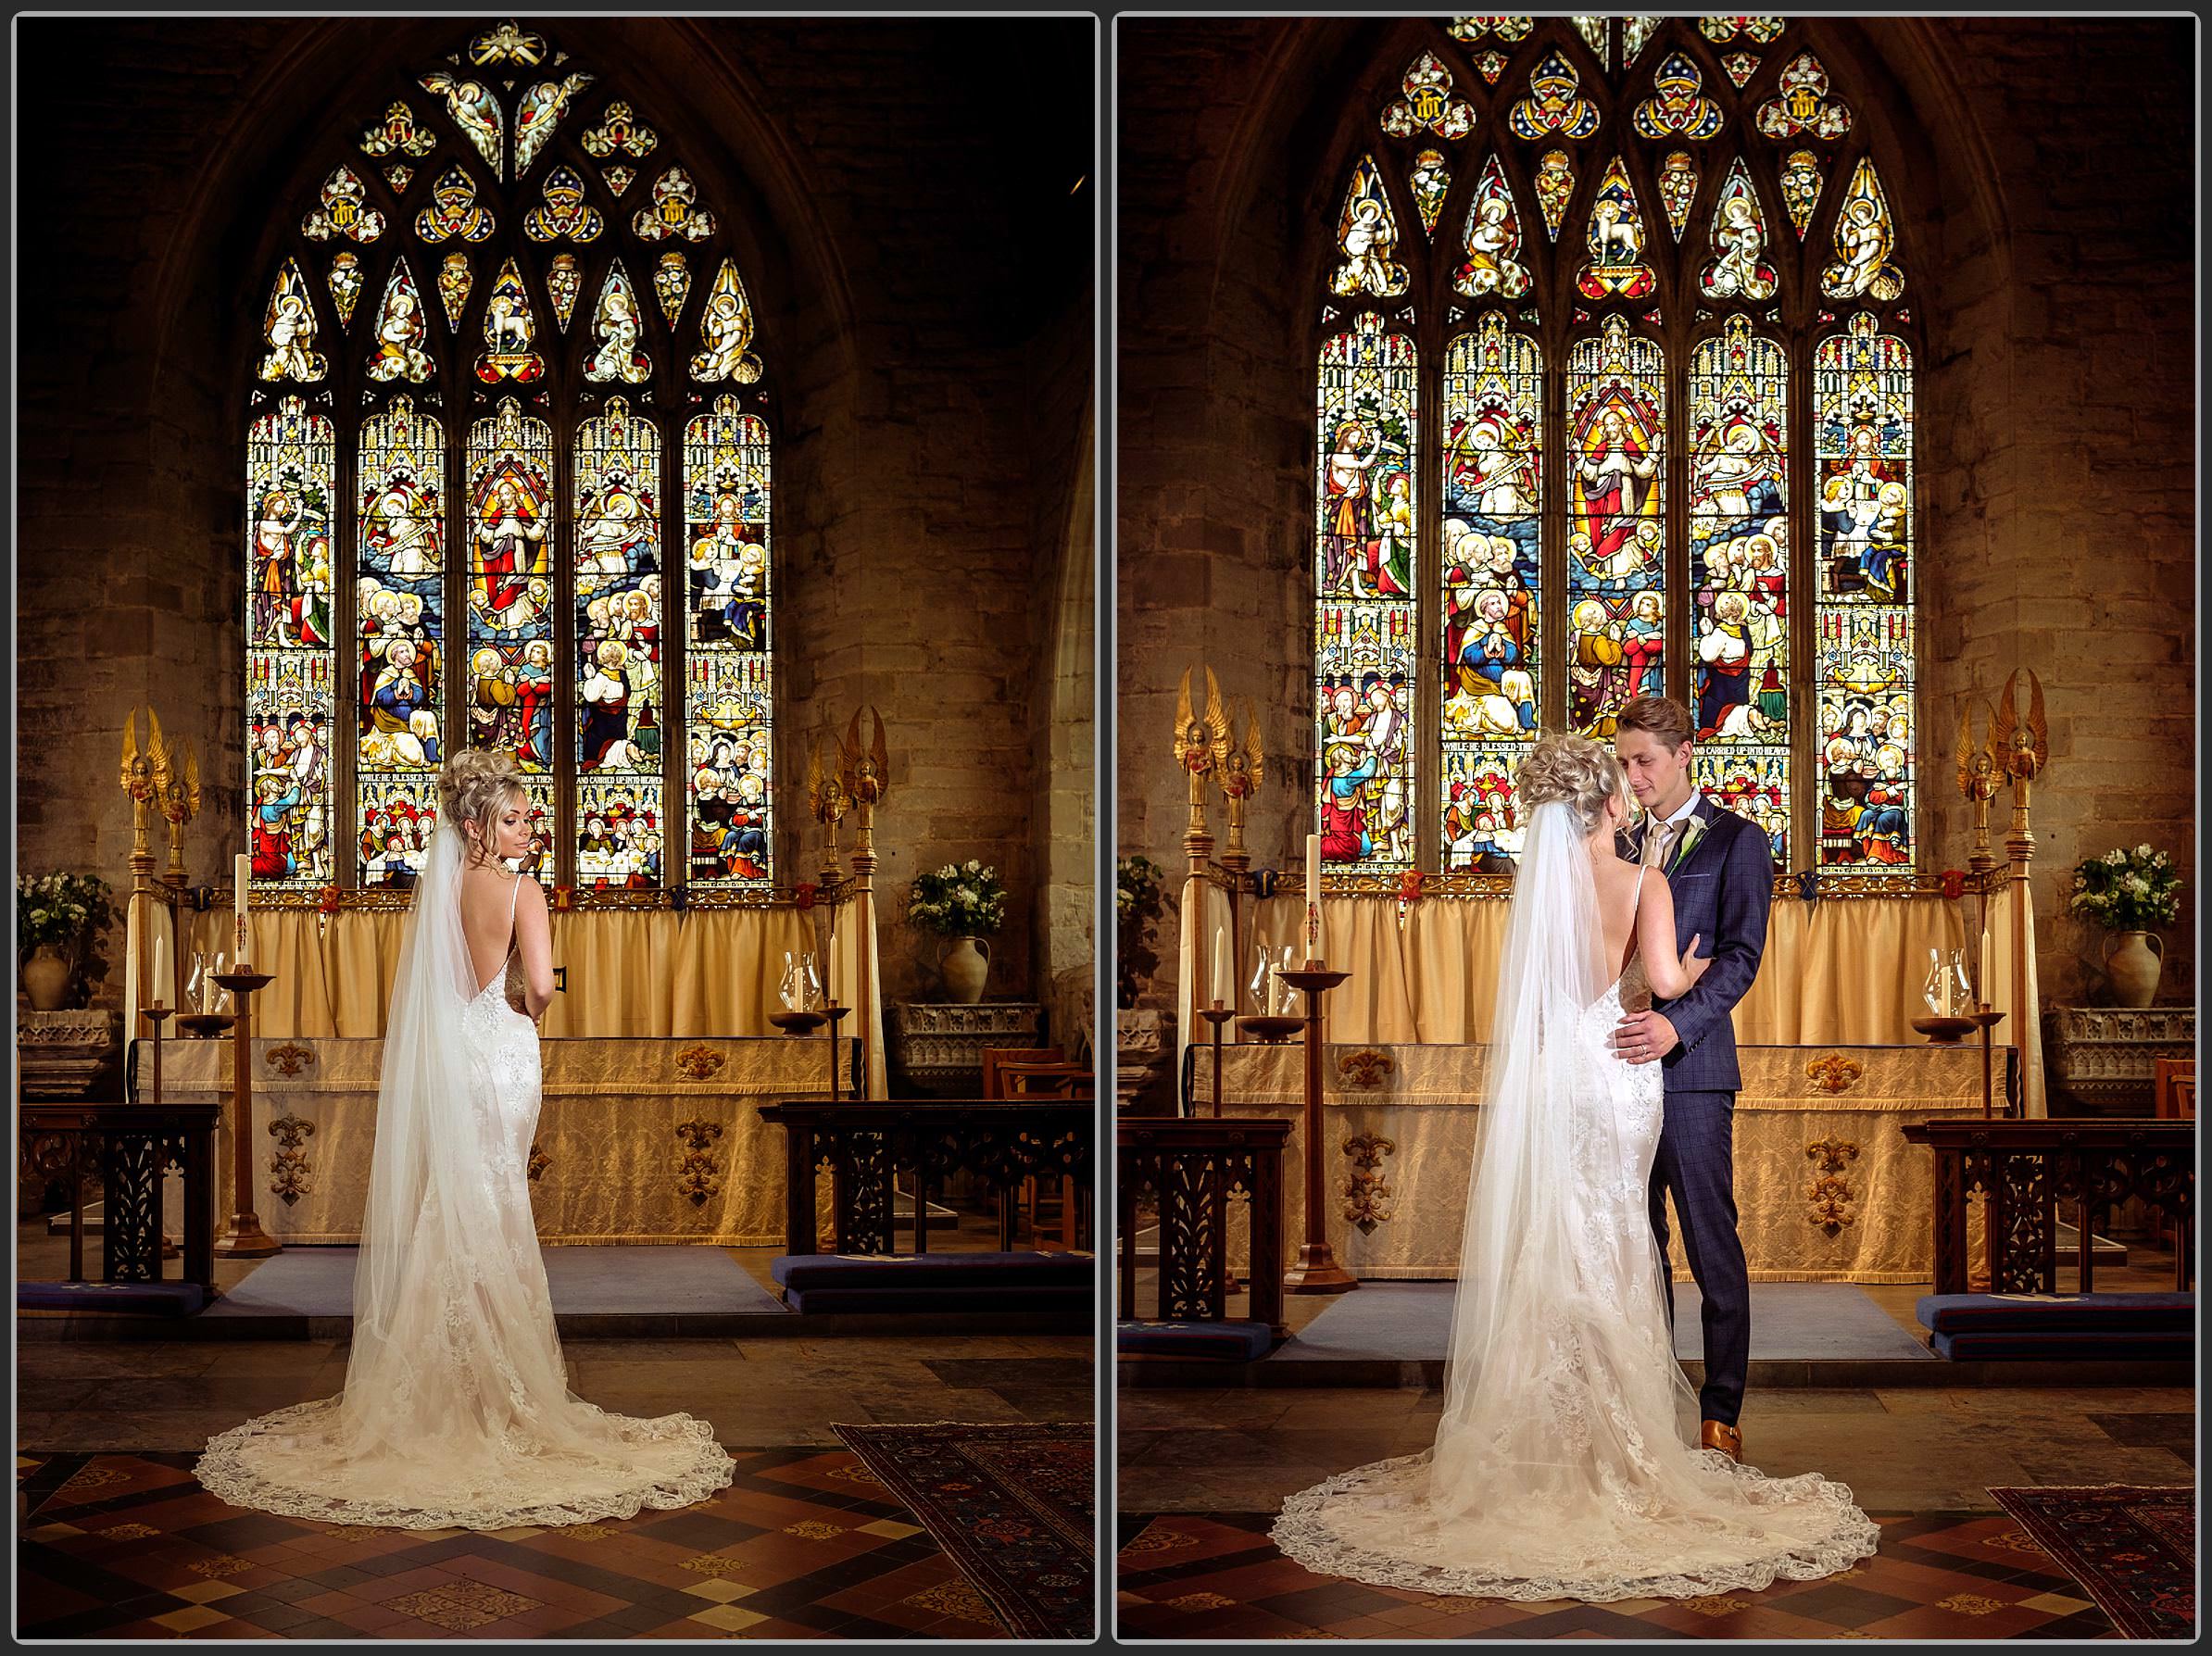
1565 1464
457 1410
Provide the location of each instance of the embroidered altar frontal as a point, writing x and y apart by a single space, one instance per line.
639 1141
1827 1188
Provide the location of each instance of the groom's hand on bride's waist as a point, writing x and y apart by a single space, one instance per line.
1644 1037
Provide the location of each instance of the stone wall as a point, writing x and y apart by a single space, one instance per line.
909 295
2048 162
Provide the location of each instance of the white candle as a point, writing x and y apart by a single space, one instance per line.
131 960
832 986
241 876
160 972
1313 891
1220 964
1989 990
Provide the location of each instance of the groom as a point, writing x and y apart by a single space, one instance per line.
1721 875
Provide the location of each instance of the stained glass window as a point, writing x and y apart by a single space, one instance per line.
1365 605
291 473
1616 525
510 491
400 622
1739 412
1863 624
1493 499
727 613
1624 351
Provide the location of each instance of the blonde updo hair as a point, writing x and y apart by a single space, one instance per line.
475 787
1575 771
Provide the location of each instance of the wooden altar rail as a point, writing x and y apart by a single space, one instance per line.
128 1148
866 1144
2027 1169
1193 1166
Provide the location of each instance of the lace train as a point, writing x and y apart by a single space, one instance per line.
1812 1529
675 1463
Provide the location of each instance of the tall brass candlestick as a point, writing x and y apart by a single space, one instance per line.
243 1238
1316 1271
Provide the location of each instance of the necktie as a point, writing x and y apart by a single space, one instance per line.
1657 844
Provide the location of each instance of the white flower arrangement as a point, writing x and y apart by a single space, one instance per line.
958 901
2126 891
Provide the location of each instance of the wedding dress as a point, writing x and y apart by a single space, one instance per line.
1565 1464
457 1410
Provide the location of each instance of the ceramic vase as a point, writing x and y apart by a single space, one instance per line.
46 978
963 966
2134 961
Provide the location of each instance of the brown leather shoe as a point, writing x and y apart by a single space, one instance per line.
1726 1439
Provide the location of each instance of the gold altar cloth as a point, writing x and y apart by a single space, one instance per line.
1827 1188
639 1141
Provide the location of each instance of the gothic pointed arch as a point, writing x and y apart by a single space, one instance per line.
543 363
1665 327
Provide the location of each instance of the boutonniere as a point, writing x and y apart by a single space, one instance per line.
1692 831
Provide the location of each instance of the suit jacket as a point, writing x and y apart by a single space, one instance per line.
1722 889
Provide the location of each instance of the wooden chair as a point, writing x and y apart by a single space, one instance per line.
993 1087
1051 1080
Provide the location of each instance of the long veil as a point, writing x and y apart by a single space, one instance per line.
1566 1463
455 1410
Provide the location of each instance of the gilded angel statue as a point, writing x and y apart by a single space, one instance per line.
1202 745
2022 749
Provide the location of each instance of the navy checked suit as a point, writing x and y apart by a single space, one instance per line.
1722 887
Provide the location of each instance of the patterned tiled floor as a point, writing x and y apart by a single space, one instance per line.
1940 1575
804 1544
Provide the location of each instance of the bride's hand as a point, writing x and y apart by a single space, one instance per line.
1692 962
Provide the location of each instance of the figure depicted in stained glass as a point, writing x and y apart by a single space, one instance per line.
1803 104
539 114
1863 240
1678 106
511 536
1616 466
290 331
564 282
618 356
399 332
1554 188
1431 181
1482 825
343 211
603 737
454 210
475 111
1554 104
507 330
275 547
1496 692
1429 105
400 529
400 685
1678 189
1493 239
1801 179
1616 240
675 210
1596 672
1739 269
1367 235
563 212
345 285
729 579
1478 565
726 332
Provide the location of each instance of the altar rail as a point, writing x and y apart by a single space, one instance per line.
128 1148
2028 1169
865 1145
1193 1168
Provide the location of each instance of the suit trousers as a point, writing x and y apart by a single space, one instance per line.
1696 1164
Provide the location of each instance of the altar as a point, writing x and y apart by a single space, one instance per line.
639 1141
1827 1187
